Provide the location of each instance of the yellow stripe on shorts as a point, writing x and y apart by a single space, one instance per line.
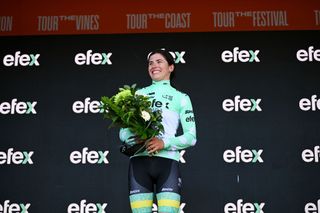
171 203
141 204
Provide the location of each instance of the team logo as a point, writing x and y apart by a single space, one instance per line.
311 155
245 155
312 207
178 57
238 104
19 59
8 207
16 157
312 104
308 55
89 157
89 58
237 55
87 106
15 107
241 207
85 207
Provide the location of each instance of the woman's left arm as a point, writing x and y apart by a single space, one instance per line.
187 120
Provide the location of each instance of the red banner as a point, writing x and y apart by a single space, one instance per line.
36 17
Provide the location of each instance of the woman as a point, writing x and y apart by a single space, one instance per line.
156 170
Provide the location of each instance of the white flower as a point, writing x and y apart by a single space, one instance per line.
145 115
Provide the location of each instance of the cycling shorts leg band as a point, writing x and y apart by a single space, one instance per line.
141 203
168 202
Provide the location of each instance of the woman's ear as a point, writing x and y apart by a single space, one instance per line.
171 67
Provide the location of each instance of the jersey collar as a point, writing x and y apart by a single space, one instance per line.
162 82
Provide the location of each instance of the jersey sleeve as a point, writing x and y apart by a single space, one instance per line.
188 124
125 135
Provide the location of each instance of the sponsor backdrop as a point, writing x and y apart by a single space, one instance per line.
256 99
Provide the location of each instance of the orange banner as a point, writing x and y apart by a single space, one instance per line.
35 17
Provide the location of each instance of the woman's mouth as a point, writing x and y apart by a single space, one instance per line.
155 71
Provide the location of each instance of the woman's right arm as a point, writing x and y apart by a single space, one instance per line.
127 136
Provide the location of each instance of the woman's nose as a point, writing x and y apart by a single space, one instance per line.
153 65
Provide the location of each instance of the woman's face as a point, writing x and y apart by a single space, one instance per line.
158 68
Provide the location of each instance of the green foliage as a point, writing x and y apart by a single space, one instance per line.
127 109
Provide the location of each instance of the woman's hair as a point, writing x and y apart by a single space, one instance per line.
167 56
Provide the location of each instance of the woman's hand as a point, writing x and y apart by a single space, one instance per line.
139 140
155 145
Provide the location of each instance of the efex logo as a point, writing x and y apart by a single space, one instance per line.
178 57
241 207
18 107
246 155
85 207
312 207
8 207
309 155
19 59
17 157
241 56
87 106
89 58
241 104
312 104
90 157
308 55
159 104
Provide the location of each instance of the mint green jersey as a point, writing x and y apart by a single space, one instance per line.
176 109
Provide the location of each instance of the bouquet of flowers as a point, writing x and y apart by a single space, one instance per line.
127 109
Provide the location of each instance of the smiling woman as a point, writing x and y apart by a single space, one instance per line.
159 68
156 170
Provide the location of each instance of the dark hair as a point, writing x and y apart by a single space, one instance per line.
167 56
